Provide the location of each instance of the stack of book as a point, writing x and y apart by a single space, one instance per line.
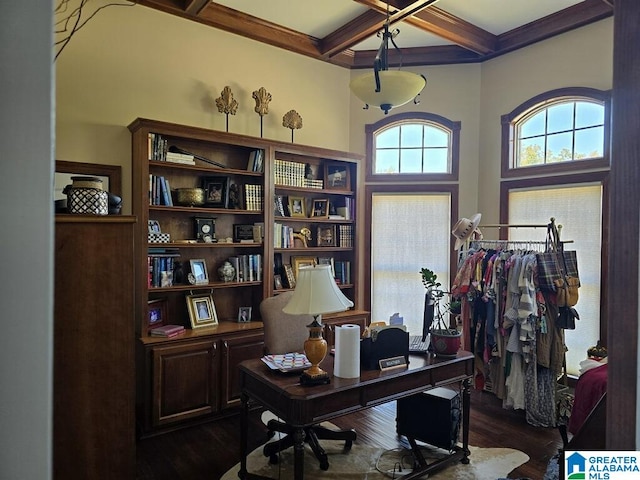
159 191
345 235
256 161
183 158
289 173
167 331
253 197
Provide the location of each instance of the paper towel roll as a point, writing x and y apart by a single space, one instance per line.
347 358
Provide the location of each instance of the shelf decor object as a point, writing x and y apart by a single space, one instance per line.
316 293
386 88
292 120
227 104
262 98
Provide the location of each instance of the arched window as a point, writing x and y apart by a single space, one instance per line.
555 159
412 196
412 146
555 129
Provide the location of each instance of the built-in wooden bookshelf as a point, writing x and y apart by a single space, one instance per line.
238 222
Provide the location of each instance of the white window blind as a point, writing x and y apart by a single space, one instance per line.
410 231
579 210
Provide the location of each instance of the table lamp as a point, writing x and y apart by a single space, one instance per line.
316 293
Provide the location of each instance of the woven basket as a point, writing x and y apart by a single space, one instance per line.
87 197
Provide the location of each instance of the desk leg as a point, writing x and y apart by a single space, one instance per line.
466 410
244 432
298 453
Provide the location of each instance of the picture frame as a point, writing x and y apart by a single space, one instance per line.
243 233
202 311
199 274
326 236
156 313
320 208
277 282
154 226
216 191
244 314
297 207
337 176
302 261
291 278
328 261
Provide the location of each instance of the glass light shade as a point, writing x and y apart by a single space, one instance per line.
397 87
316 293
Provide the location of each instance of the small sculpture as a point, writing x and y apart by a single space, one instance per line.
262 98
304 235
227 104
292 120
226 272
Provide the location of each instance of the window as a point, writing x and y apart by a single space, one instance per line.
556 129
409 218
413 147
559 141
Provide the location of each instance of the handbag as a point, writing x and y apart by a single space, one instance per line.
567 291
555 264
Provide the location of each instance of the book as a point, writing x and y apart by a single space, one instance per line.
166 331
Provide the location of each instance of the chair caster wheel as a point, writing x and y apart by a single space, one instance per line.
273 459
347 445
270 434
324 465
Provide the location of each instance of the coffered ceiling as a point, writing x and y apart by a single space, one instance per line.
432 32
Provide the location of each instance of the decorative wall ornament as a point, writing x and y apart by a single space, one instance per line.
262 98
292 120
227 104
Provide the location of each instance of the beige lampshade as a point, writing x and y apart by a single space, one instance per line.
316 293
397 87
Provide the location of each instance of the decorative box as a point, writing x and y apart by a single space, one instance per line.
159 237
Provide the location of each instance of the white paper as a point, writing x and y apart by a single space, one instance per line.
347 357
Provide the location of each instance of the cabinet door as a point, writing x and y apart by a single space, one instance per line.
235 350
185 379
330 325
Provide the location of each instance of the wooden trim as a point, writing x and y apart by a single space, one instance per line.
114 172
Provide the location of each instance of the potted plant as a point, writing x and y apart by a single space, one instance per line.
445 338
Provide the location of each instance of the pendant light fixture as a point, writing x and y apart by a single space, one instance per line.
386 88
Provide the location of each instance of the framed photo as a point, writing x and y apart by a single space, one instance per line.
202 311
277 282
320 208
216 191
328 261
336 176
156 313
154 226
291 278
243 233
297 207
297 262
244 314
326 236
199 271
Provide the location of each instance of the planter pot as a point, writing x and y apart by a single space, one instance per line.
445 342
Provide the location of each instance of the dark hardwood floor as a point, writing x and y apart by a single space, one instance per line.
208 451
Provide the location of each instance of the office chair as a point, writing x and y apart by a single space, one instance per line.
284 333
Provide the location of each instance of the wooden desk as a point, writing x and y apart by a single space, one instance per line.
302 406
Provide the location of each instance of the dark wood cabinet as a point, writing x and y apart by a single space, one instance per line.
235 350
185 380
93 394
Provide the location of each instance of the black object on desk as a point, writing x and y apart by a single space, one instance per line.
389 343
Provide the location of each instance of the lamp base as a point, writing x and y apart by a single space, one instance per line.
320 378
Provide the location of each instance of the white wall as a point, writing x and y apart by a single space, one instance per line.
26 216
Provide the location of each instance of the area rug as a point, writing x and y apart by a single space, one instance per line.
373 463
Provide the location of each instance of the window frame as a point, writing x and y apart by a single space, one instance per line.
544 100
406 118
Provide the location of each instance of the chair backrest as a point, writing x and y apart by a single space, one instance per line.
283 333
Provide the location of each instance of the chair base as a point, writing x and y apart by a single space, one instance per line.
312 435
